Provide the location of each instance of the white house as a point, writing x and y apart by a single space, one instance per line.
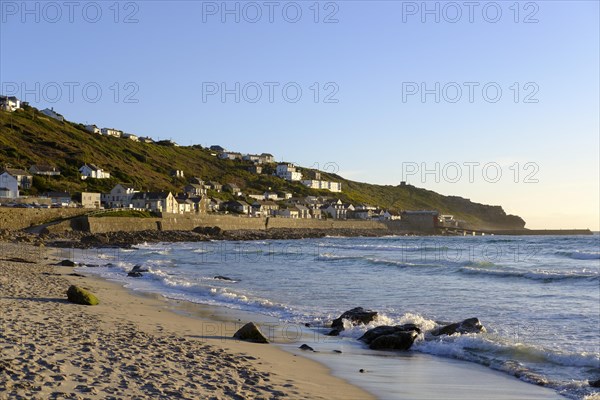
289 213
120 196
266 158
194 189
92 171
93 129
9 103
24 178
49 112
9 187
335 187
90 200
288 172
337 210
255 158
111 132
230 155
131 136
157 202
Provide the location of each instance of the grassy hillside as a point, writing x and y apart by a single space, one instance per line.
28 137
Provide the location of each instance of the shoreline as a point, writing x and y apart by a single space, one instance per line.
315 375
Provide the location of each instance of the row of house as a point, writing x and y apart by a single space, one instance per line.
118 134
309 207
264 158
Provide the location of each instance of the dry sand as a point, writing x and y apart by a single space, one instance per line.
130 346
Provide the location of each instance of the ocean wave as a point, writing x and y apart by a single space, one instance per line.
579 255
384 247
536 275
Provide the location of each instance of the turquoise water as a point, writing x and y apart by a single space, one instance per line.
538 297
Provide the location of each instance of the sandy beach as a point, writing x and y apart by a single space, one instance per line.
144 346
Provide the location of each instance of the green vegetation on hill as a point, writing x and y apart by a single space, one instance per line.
28 137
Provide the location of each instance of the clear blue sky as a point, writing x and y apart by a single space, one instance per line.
371 57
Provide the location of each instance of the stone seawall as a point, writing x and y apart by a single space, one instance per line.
20 218
227 223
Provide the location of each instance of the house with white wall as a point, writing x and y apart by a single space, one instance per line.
288 172
335 187
111 132
24 178
9 103
90 200
156 202
9 187
93 129
92 171
131 137
49 112
120 196
337 209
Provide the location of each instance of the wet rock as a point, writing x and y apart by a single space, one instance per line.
356 316
383 330
78 295
208 230
222 278
398 341
595 384
136 271
470 325
66 263
306 347
250 333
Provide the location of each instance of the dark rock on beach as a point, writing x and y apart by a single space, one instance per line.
471 325
222 278
402 340
78 295
66 263
250 333
399 337
595 384
136 271
208 230
306 347
356 316
383 330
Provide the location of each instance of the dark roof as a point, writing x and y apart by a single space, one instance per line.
45 168
16 171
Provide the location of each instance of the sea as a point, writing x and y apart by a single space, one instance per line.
537 296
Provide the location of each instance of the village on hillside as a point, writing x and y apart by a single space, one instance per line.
198 196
